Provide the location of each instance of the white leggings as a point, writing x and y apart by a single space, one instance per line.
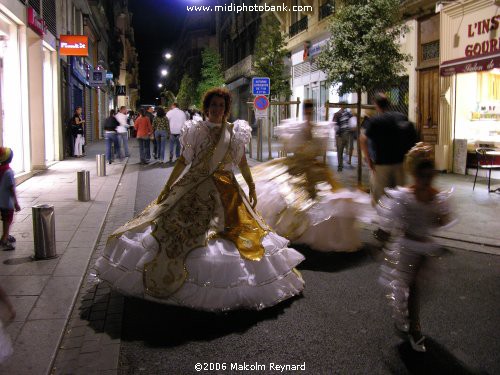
79 141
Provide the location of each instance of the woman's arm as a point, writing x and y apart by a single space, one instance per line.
180 165
247 175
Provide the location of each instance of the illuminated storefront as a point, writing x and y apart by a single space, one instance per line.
470 82
13 123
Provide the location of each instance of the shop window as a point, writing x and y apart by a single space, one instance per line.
326 9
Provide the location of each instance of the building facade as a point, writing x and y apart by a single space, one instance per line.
469 82
29 84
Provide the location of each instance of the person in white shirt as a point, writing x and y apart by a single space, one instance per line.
122 130
176 118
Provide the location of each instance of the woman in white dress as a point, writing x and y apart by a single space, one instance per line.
298 196
412 214
200 244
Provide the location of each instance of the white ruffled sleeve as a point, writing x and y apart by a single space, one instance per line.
446 216
242 133
190 139
291 134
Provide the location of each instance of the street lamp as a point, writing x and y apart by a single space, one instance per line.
168 55
160 85
164 72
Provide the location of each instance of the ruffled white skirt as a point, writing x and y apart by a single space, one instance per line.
329 223
219 279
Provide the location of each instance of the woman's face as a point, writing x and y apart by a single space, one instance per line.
216 109
78 111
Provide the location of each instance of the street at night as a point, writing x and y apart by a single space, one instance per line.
249 187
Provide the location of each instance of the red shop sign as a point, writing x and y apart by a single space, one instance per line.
448 68
36 22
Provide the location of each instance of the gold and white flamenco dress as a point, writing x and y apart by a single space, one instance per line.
203 246
298 197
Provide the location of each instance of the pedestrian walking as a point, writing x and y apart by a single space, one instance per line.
122 131
176 119
387 138
412 213
78 132
151 115
343 134
111 137
8 198
144 131
201 244
162 130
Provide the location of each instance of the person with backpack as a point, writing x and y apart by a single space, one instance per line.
387 138
111 136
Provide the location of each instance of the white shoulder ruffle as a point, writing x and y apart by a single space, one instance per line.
291 133
193 133
242 133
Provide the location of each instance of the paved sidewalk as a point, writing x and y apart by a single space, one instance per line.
43 292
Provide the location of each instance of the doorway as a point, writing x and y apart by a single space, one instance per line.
428 105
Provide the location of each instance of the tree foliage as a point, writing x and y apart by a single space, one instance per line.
211 73
270 52
187 92
169 98
363 52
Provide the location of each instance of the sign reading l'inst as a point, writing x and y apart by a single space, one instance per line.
261 86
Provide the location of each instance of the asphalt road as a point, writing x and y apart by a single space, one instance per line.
341 324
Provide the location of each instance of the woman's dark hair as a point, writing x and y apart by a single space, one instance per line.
221 93
422 166
142 112
308 103
160 112
112 113
77 108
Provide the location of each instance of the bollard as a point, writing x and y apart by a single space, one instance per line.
44 231
100 160
83 180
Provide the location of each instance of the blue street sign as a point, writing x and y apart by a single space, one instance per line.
261 86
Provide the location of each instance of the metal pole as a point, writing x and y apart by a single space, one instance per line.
298 107
100 160
83 181
44 231
269 132
251 138
259 140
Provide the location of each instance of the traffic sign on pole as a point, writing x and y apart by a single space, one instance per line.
261 86
261 102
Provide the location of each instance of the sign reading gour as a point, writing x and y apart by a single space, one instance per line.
74 45
470 37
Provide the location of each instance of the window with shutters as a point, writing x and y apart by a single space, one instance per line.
35 4
49 15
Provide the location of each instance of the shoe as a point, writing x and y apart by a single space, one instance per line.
170 160
6 246
109 162
11 238
339 169
401 329
418 345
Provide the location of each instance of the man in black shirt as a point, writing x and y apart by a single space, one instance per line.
387 139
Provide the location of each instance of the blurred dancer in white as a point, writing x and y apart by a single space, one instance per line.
298 196
412 214
200 244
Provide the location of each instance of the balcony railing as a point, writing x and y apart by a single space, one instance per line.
298 26
326 9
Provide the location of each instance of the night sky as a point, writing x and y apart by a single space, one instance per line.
156 24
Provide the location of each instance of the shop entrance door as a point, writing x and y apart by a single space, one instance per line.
428 105
1 108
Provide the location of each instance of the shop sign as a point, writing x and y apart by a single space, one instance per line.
121 90
97 77
36 22
468 66
482 27
74 45
109 75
